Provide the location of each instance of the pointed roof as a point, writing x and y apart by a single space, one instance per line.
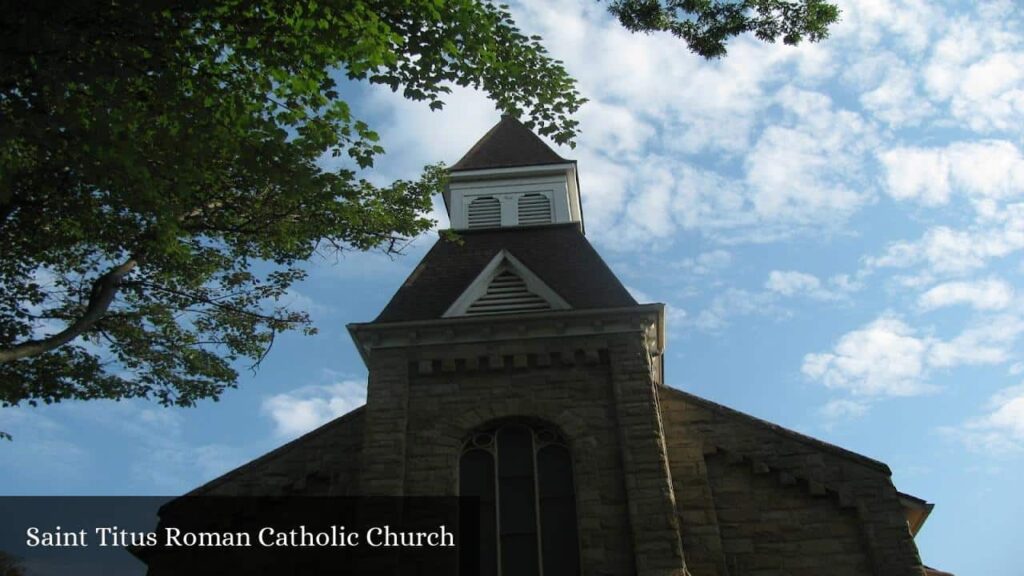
559 255
508 144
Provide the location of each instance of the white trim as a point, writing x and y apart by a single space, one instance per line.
516 171
508 192
478 287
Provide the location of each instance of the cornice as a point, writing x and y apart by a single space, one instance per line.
646 319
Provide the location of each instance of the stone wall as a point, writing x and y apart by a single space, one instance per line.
660 474
770 529
742 485
597 390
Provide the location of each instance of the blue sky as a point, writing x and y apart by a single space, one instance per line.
837 230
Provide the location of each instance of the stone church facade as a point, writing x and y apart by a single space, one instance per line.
513 365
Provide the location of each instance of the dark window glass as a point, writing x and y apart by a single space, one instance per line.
476 479
523 477
518 504
557 510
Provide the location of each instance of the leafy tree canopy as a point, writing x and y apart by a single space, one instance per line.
707 25
155 153
10 565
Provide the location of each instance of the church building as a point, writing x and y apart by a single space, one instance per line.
513 365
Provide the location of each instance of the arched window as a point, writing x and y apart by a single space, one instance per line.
523 477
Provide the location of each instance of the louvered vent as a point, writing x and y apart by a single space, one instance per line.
485 212
507 294
534 209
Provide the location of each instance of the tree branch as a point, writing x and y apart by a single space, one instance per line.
104 289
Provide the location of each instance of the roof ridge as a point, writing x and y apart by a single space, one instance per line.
197 491
792 434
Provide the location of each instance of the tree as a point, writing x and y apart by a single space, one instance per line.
157 157
707 25
10 565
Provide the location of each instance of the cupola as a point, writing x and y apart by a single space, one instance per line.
511 178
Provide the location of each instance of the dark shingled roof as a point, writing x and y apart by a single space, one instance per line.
508 144
558 254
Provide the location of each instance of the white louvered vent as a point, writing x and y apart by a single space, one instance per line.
485 212
507 294
534 209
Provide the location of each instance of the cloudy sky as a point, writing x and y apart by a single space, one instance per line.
837 230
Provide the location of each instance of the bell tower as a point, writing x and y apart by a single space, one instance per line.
512 178
513 365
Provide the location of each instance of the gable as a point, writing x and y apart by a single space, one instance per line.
505 286
558 255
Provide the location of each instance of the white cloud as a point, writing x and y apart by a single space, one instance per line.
647 215
803 172
990 96
988 342
794 283
303 409
985 171
615 66
843 409
887 357
945 250
718 160
735 302
1001 430
889 89
674 317
916 174
976 70
791 282
870 23
705 262
614 129
989 294
710 202
605 185
806 172
407 124
884 358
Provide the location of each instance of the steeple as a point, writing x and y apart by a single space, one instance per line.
508 144
510 178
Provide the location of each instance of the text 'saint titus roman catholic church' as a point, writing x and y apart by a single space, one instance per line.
512 364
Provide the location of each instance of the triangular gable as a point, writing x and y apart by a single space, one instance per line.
558 253
505 286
